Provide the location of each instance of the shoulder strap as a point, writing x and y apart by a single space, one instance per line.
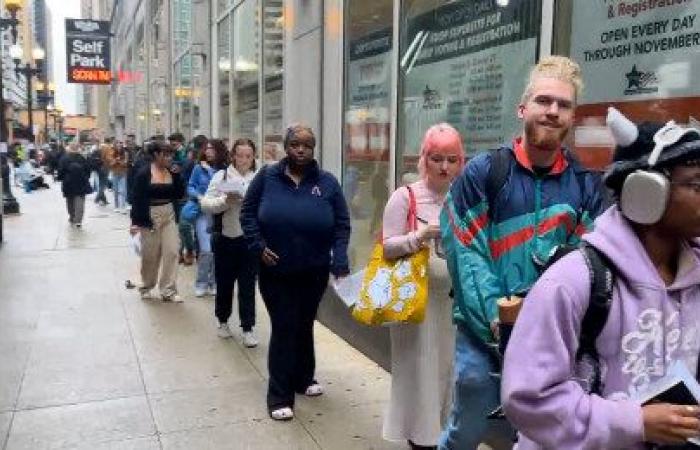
598 309
412 217
497 176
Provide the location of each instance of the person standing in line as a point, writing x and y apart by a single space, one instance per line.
233 262
295 220
118 162
98 164
177 142
155 190
74 173
648 241
421 354
494 232
186 226
212 159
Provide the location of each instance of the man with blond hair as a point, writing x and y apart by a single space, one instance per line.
506 212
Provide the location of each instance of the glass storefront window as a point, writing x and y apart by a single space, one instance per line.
142 111
273 81
455 58
224 71
183 95
182 17
223 5
244 65
643 61
368 81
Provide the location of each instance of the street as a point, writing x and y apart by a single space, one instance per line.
86 364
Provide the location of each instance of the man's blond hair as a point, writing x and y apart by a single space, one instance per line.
557 67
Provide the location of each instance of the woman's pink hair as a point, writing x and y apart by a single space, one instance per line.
440 138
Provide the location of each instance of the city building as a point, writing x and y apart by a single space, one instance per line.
94 99
41 30
14 85
370 76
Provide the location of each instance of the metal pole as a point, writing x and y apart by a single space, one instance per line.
3 122
28 73
46 124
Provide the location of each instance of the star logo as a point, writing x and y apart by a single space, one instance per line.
641 82
634 78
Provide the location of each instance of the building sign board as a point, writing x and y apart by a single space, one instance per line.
641 57
88 51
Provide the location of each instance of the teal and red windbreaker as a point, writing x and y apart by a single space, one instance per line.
490 248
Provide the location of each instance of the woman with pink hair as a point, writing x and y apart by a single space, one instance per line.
421 354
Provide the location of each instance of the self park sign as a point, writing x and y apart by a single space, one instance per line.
88 51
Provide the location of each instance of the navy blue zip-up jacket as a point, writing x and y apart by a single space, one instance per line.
303 225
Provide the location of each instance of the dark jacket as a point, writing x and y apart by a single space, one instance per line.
303 225
143 193
74 172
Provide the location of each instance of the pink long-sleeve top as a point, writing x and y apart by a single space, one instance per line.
398 240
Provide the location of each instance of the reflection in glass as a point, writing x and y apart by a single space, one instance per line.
246 48
454 59
368 52
182 17
273 50
183 95
224 72
140 84
222 6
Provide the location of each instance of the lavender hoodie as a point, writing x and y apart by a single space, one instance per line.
650 325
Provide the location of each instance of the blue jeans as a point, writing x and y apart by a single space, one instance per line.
186 229
476 394
205 260
119 187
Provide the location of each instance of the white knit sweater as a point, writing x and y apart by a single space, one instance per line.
215 202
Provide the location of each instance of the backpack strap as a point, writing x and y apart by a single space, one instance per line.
598 310
497 176
412 216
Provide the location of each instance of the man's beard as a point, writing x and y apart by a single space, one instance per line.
543 138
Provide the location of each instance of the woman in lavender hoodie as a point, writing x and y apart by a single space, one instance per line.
654 318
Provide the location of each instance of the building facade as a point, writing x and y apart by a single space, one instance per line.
94 99
370 76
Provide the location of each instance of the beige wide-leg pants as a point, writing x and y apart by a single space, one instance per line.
160 250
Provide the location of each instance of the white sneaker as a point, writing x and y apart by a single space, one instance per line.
147 295
211 291
223 331
284 414
314 390
117 210
249 339
199 293
173 298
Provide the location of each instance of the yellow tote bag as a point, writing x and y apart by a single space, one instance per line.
395 291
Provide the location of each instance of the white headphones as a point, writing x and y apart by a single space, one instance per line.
645 193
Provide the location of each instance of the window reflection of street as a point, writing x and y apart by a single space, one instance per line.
367 121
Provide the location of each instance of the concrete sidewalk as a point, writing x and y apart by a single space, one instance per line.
85 364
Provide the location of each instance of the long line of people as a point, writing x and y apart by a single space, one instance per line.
490 224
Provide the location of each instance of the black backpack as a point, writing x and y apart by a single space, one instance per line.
598 267
95 160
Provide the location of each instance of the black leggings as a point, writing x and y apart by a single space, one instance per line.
233 263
